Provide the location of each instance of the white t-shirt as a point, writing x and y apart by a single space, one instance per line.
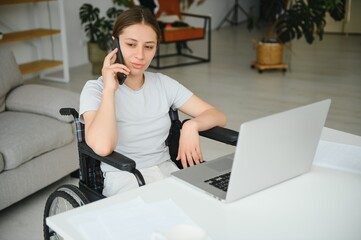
142 116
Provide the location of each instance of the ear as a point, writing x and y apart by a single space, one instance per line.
113 38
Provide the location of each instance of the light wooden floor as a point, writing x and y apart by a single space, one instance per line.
327 69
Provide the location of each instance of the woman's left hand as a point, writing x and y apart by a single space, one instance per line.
189 151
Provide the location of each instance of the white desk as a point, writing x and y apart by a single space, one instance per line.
322 204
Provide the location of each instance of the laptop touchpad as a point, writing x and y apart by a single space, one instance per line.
221 164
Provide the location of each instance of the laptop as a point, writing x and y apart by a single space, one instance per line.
269 151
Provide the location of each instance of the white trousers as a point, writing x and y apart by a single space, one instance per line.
121 181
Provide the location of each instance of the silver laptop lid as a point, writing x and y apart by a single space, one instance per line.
276 148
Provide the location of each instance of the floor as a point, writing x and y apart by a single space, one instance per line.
326 69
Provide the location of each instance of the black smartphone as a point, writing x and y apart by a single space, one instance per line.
121 76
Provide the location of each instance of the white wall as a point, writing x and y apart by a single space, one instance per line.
24 16
75 34
350 24
218 10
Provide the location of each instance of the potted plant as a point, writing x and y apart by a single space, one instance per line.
98 29
292 19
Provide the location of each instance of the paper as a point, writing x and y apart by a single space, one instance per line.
339 156
130 220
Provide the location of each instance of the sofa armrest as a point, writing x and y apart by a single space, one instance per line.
43 100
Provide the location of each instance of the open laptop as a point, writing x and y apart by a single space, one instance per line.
270 150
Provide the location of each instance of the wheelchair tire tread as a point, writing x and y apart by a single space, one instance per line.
76 191
61 192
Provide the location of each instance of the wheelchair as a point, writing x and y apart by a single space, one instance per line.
91 179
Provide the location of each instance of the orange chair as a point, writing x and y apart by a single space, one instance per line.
181 35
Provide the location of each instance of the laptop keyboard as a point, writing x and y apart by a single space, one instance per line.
220 181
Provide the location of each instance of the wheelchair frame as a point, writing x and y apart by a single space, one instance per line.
90 175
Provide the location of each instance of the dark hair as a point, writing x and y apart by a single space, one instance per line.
134 16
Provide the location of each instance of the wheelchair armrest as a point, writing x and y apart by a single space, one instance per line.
115 159
221 134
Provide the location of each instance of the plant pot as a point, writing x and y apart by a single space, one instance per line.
96 58
269 53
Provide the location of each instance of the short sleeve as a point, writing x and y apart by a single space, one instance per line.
90 97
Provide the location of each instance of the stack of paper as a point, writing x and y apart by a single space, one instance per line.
339 156
131 220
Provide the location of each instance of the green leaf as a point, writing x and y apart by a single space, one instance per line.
88 14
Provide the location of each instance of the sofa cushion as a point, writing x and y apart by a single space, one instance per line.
26 135
10 75
40 99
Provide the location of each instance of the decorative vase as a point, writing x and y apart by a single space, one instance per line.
96 57
269 53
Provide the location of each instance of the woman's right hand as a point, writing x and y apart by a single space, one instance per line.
109 70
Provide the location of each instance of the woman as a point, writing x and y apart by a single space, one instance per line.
132 118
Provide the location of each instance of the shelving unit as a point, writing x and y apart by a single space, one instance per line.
27 35
41 65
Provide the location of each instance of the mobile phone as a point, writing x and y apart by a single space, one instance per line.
121 76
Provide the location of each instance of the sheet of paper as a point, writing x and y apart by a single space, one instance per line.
339 156
130 220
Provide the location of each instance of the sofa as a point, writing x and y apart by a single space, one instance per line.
37 145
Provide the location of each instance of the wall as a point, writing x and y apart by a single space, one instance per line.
350 24
75 34
23 16
218 10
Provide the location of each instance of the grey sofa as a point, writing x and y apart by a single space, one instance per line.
37 144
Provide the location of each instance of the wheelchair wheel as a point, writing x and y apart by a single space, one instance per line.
75 192
64 198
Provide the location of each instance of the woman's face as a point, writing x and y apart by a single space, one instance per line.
138 44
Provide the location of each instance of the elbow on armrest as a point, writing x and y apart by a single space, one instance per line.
224 121
114 159
101 149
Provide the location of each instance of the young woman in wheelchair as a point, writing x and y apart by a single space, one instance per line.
132 118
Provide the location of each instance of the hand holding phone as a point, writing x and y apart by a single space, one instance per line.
121 76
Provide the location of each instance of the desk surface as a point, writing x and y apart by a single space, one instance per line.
322 204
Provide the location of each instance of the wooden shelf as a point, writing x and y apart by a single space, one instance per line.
4 2
27 34
37 31
39 65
